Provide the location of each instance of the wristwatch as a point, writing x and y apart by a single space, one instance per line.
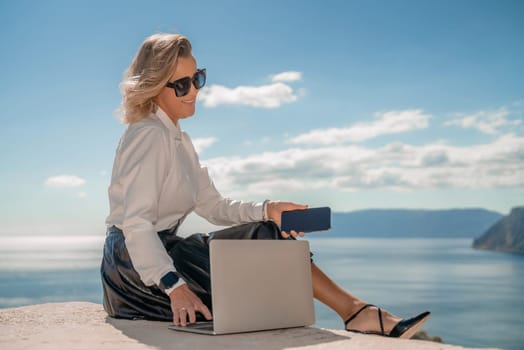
168 281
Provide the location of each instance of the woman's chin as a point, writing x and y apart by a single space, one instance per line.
187 116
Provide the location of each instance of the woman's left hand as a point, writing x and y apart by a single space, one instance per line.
274 213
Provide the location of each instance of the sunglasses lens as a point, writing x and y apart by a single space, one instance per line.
199 79
182 86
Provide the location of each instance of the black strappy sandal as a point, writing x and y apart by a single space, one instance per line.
405 328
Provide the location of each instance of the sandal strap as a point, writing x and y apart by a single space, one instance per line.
356 313
379 319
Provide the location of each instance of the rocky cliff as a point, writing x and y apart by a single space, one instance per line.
506 235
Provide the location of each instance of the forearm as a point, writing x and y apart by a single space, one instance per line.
225 211
148 255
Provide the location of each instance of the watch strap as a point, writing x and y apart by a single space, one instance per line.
168 280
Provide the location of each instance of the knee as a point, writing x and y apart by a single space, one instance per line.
191 251
268 230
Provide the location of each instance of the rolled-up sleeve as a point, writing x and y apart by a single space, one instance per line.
142 166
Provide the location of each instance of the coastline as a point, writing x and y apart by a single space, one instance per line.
85 325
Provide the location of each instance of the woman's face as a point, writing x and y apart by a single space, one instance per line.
184 106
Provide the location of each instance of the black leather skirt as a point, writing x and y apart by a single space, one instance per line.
126 296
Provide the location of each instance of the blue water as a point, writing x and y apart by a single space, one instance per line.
476 297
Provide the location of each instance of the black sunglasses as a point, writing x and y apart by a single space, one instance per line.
183 85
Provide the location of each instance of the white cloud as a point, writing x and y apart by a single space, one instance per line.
264 96
203 143
82 194
287 76
62 181
488 122
396 166
390 122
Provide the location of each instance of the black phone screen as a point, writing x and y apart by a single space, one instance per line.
307 220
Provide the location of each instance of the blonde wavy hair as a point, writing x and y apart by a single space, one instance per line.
149 72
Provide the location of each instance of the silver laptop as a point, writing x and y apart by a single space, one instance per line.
258 285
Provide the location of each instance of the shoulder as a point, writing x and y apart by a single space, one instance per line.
151 124
148 129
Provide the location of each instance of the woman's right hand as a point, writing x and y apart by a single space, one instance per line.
184 304
274 213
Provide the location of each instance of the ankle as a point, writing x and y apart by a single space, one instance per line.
351 308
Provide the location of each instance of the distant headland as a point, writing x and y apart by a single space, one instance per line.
506 235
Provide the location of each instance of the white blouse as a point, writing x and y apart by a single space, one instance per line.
157 181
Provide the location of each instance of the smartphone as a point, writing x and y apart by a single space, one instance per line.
307 220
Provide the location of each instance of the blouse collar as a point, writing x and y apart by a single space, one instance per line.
173 128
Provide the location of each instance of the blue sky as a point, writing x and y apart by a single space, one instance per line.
351 104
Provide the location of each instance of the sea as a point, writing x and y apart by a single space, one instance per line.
476 297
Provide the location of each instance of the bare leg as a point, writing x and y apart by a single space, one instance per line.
345 304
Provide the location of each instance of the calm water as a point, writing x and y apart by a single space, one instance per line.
476 297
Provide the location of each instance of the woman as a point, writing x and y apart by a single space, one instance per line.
147 270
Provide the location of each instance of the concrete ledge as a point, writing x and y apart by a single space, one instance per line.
81 325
